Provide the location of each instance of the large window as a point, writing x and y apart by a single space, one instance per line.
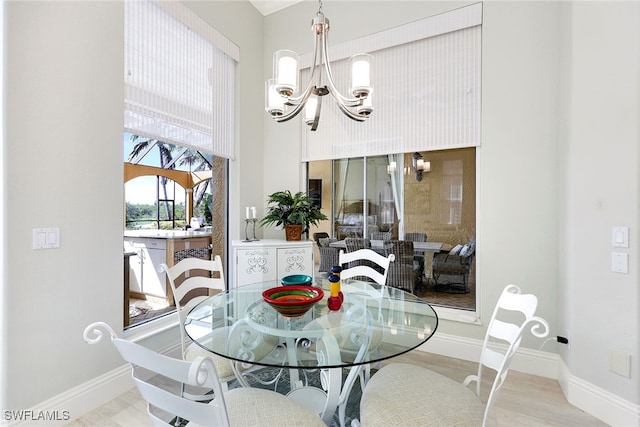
179 76
168 188
382 194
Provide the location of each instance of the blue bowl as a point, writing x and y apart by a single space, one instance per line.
296 279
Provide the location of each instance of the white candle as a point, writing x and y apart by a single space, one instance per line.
246 215
253 212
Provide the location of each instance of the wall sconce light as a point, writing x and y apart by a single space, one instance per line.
419 165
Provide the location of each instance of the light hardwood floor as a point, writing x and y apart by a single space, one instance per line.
525 400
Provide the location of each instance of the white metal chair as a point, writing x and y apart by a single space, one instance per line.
403 394
379 276
189 267
155 375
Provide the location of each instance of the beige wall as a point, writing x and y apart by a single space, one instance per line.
322 170
426 204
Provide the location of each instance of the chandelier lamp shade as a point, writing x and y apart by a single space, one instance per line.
284 98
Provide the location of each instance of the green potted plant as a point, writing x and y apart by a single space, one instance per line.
294 212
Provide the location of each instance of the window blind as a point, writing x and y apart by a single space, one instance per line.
179 78
426 95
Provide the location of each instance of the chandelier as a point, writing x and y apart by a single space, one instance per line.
283 101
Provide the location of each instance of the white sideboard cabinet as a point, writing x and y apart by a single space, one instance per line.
270 259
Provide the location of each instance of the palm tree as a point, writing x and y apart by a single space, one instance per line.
141 148
202 163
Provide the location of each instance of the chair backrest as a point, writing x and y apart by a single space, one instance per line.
402 249
503 337
416 237
147 365
356 243
191 265
402 273
380 235
347 258
320 235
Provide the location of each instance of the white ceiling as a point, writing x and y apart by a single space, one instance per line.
269 6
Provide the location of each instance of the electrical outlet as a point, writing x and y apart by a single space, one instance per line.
567 334
620 262
620 363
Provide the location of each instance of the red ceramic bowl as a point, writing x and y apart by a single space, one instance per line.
292 301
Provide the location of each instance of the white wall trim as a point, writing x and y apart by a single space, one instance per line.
90 395
594 400
83 398
528 361
598 402
149 329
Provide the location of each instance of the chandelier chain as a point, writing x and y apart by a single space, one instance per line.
320 7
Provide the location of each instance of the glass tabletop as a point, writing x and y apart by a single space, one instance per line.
374 323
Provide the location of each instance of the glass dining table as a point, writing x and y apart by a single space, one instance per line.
374 323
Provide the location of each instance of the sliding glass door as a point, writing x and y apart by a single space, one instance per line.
388 194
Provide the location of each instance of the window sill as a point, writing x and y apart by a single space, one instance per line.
151 328
457 315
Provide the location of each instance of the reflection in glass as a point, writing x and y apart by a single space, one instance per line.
381 194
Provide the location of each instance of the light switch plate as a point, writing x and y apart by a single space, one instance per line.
620 237
619 262
46 238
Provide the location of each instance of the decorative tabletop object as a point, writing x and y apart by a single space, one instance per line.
296 279
292 301
336 297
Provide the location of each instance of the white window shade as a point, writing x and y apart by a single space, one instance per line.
426 79
179 78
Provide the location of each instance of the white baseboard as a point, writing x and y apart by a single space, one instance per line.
79 400
84 398
533 362
594 400
598 402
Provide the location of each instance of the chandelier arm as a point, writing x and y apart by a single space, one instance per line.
316 117
350 102
302 98
354 116
297 107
